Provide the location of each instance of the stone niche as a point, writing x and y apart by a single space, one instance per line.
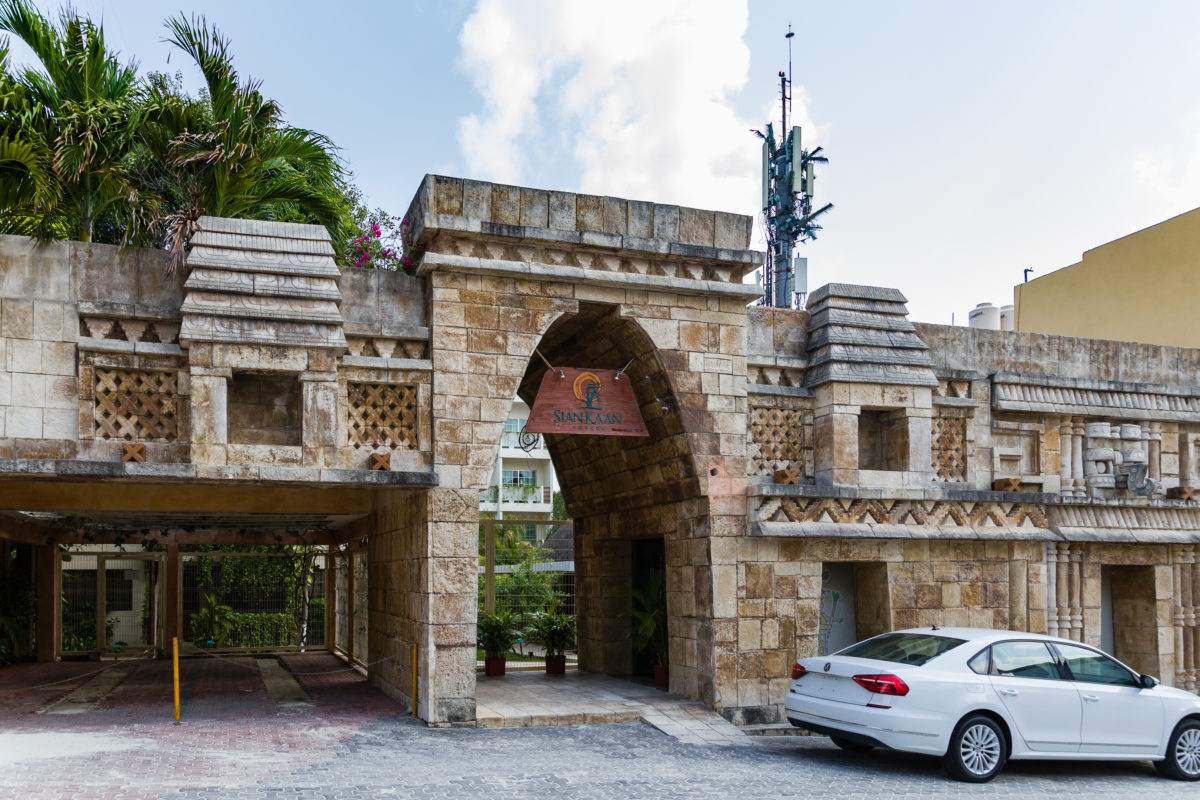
263 329
264 410
882 440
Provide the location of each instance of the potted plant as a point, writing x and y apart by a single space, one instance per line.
649 631
496 634
556 633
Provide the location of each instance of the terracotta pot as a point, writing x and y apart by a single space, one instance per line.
662 676
556 665
494 667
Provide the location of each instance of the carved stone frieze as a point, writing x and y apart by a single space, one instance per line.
944 513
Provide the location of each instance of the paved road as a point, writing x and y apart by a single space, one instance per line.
397 759
400 758
355 743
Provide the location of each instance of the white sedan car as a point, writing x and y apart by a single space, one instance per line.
980 697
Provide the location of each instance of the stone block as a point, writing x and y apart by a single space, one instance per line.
23 422
534 208
477 200
666 222
589 212
447 195
562 211
615 216
732 231
506 204
58 358
48 321
16 318
696 227
60 423
24 355
28 390
61 392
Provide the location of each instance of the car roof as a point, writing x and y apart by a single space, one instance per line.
982 635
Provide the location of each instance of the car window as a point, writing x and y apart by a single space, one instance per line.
980 662
1090 666
903 648
1024 660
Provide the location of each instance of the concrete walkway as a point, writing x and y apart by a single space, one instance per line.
525 699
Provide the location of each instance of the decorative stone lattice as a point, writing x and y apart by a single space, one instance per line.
383 415
136 405
780 438
950 444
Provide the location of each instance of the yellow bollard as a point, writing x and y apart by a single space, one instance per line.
414 679
175 659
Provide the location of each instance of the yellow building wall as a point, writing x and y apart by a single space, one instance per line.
1144 287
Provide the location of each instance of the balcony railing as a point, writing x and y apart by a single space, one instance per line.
513 441
518 494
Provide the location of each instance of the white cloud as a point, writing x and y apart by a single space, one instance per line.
1169 175
640 95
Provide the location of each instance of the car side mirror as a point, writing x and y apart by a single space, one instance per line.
1147 682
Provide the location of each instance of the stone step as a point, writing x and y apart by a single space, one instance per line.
775 729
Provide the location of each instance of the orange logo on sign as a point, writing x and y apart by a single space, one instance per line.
587 389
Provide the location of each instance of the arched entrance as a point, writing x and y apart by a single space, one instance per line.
635 502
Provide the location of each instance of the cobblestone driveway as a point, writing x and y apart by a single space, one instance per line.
355 743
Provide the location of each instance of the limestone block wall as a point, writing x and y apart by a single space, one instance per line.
898 584
66 310
422 590
38 328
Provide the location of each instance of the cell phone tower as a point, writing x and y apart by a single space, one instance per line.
788 174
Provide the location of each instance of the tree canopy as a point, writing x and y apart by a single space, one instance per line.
91 150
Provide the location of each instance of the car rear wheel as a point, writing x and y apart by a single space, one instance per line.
851 746
1183 753
977 751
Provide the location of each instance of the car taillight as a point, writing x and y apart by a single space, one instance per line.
882 684
798 671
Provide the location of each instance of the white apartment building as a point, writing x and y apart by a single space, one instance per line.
523 481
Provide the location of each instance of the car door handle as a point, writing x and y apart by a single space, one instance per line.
1008 692
1091 698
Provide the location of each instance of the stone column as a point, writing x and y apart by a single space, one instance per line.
920 444
1154 451
1075 603
1067 476
422 591
835 439
319 418
1077 457
210 414
49 590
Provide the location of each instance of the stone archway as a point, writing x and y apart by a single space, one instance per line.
619 490
512 270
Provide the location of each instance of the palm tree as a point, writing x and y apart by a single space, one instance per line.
25 187
81 116
230 153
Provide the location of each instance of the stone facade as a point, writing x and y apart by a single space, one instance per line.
951 476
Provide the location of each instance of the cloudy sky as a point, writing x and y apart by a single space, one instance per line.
967 140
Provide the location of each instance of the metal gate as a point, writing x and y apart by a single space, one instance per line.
112 603
520 575
253 600
349 617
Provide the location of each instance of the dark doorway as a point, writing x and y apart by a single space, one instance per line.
647 569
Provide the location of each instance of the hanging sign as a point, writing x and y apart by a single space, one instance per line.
593 401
